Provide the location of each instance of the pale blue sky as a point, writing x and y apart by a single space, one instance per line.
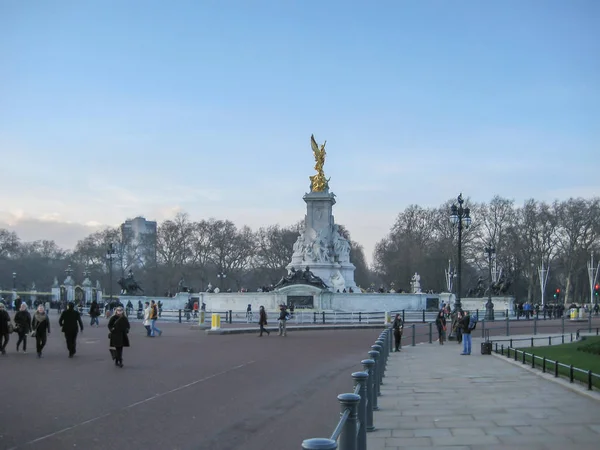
111 109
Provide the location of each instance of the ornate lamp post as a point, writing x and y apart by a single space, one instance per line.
110 256
221 275
460 217
489 306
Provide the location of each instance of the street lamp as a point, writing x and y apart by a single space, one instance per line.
221 275
110 255
459 216
489 306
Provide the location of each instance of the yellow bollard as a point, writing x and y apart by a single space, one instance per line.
216 322
388 318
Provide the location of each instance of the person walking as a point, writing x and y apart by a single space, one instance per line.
118 326
147 322
22 326
5 328
41 329
440 323
262 321
94 313
70 323
153 318
398 327
283 317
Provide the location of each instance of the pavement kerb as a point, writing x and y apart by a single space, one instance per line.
254 330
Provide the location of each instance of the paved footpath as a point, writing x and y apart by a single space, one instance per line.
433 397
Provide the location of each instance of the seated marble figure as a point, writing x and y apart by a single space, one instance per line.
301 277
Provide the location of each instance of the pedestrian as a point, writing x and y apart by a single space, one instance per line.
118 326
468 324
262 321
440 323
94 313
22 326
153 318
283 317
41 329
5 328
398 327
70 323
147 322
457 326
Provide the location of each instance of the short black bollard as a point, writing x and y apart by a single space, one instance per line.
403 316
589 380
315 317
571 375
319 444
374 377
361 379
347 439
379 362
423 316
544 364
359 317
532 361
323 316
368 365
549 340
510 343
532 342
507 326
179 316
413 335
523 357
430 332
230 316
555 369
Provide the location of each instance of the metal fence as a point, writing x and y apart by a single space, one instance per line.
548 365
356 417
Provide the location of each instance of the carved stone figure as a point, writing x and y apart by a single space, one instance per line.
341 246
415 283
337 281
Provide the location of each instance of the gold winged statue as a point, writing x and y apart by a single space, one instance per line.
318 182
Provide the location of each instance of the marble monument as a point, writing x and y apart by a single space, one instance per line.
320 245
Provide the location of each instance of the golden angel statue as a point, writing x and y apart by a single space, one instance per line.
318 182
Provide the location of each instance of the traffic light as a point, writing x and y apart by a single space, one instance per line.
597 290
557 294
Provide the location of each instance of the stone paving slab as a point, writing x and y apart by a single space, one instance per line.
433 397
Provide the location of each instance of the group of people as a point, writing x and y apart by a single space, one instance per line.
284 316
463 323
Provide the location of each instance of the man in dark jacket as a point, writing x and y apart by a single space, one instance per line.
70 322
466 333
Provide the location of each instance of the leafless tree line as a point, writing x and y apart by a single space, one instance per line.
195 251
561 235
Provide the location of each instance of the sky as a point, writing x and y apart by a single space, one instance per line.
113 109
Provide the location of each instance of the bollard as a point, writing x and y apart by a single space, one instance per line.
374 376
215 321
413 335
403 315
179 316
361 379
319 444
423 316
379 361
507 326
315 317
347 439
359 317
483 328
230 316
549 340
383 350
430 332
368 365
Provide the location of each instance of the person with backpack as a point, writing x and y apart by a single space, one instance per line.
469 323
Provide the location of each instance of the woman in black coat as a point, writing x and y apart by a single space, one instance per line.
440 323
119 328
23 326
41 328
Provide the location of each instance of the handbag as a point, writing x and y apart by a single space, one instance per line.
11 328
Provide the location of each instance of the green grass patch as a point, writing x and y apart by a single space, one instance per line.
582 354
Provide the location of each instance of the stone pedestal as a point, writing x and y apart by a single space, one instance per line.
320 246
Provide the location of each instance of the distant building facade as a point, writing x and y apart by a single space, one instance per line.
139 238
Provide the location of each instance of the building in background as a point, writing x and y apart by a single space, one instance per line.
139 240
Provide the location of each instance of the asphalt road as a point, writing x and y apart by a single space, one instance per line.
184 390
